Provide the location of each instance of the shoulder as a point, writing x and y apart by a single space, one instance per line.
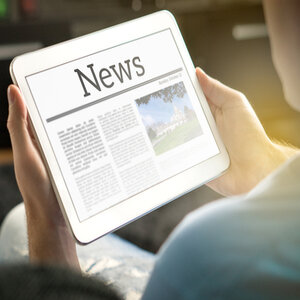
229 246
208 231
192 259
244 247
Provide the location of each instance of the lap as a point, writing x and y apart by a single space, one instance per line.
111 259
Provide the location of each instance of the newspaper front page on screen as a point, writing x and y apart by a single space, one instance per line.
122 120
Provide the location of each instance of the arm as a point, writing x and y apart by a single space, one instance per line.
253 155
50 241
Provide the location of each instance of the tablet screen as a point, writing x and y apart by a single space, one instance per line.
121 120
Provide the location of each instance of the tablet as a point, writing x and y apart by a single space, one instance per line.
121 121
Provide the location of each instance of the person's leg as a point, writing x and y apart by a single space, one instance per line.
13 236
111 259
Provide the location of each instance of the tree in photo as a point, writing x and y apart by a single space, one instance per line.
167 94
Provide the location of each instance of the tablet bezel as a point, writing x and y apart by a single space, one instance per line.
126 211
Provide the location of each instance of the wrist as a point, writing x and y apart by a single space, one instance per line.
287 151
272 155
51 246
49 215
279 154
49 239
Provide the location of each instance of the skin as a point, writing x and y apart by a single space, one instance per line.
283 20
49 239
253 155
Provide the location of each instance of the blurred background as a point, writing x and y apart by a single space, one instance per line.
227 38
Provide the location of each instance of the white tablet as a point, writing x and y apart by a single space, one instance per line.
121 121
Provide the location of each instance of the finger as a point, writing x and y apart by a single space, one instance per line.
30 130
17 120
218 93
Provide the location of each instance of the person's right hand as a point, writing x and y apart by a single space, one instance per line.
49 239
252 154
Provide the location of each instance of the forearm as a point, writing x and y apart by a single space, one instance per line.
49 243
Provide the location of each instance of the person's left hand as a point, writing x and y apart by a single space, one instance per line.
253 156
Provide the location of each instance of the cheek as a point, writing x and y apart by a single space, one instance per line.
291 89
288 70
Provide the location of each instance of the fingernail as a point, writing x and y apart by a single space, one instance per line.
9 96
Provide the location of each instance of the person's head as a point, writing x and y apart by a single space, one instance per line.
283 19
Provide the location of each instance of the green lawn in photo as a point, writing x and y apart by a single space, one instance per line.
180 135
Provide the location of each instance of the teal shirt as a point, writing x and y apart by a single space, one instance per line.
246 247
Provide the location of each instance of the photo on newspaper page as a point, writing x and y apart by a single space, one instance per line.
169 117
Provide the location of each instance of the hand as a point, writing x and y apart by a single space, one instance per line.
48 236
252 154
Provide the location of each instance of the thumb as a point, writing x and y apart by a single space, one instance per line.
17 119
217 93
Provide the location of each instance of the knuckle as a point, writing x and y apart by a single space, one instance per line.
10 125
213 87
13 127
240 97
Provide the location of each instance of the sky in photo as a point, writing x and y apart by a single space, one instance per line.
158 111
